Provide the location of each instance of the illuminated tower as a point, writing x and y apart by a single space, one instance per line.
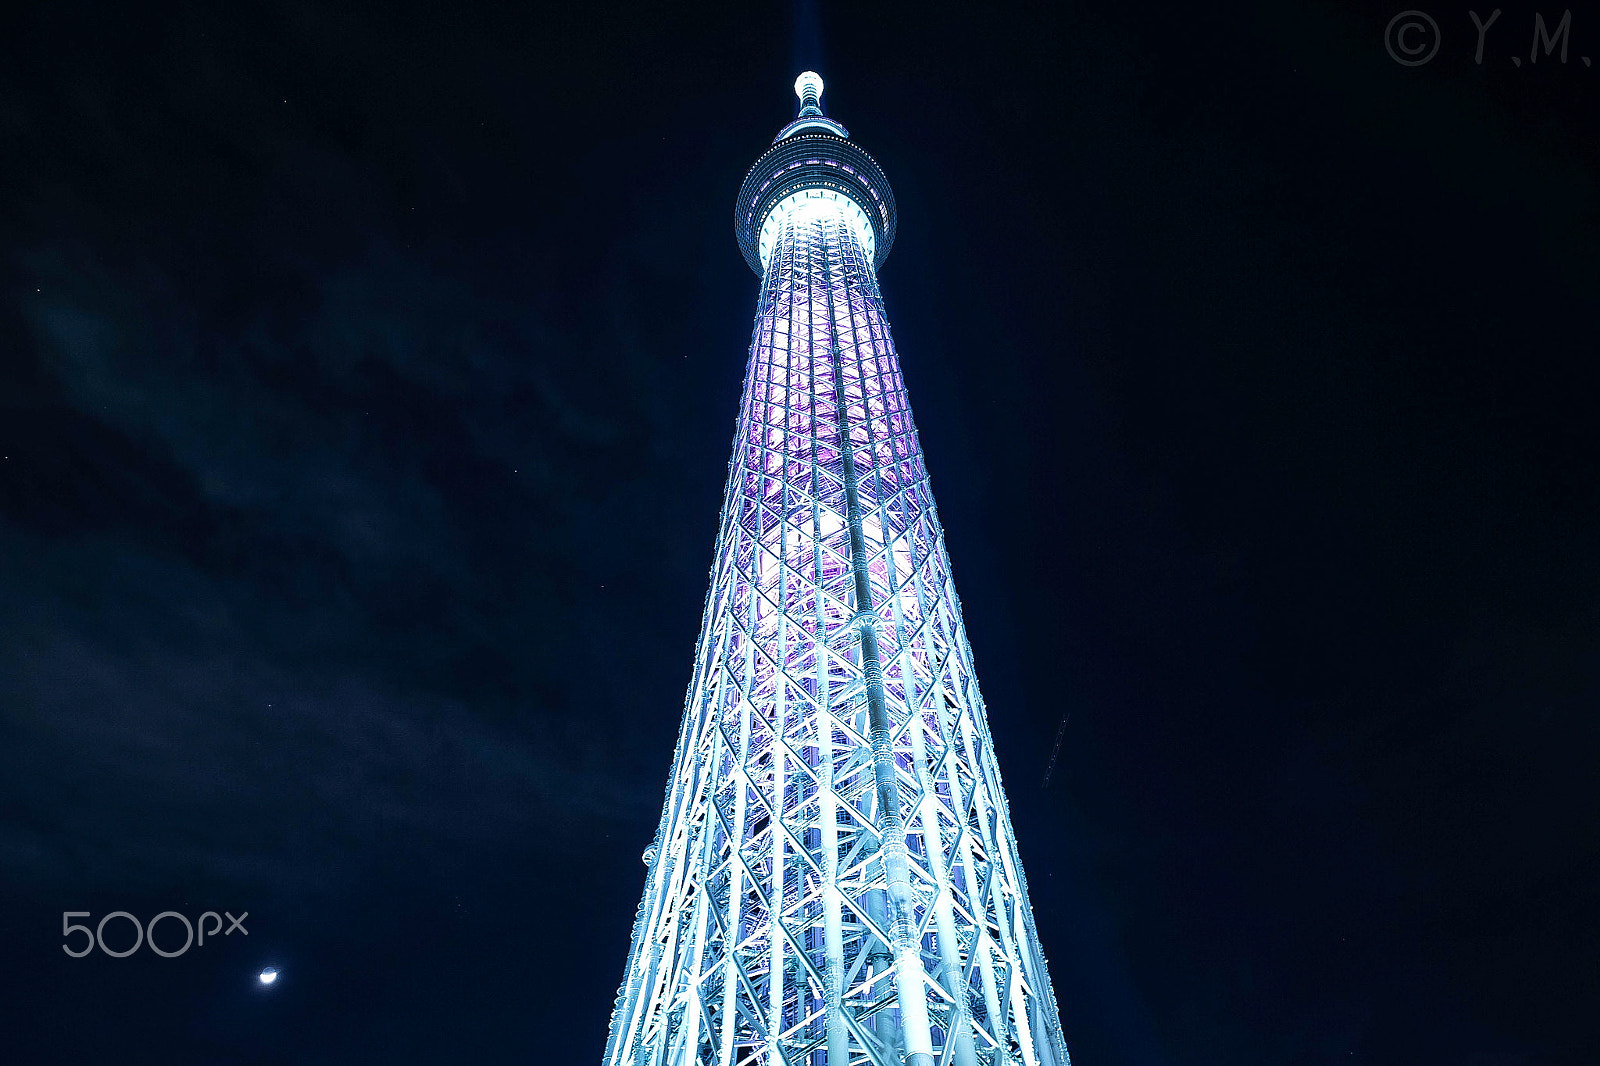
834 881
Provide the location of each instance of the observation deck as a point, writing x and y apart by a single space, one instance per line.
813 158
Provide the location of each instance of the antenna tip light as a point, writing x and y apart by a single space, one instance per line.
809 80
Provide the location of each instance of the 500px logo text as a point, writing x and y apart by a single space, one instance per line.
143 934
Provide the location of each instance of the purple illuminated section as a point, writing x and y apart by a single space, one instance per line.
834 879
820 294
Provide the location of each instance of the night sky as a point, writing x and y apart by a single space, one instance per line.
367 381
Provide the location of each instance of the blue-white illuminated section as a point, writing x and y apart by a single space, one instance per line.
834 880
808 87
813 158
811 204
819 124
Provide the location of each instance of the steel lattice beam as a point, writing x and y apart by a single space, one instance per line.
834 879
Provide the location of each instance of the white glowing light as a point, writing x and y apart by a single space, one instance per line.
267 976
808 80
808 204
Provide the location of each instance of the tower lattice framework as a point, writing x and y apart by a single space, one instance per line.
834 881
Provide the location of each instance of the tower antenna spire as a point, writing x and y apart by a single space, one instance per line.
808 87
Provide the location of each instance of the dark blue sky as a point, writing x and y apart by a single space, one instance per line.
367 379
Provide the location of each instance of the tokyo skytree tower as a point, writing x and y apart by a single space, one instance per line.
834 881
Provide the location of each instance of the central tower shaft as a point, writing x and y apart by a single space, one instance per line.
834 879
